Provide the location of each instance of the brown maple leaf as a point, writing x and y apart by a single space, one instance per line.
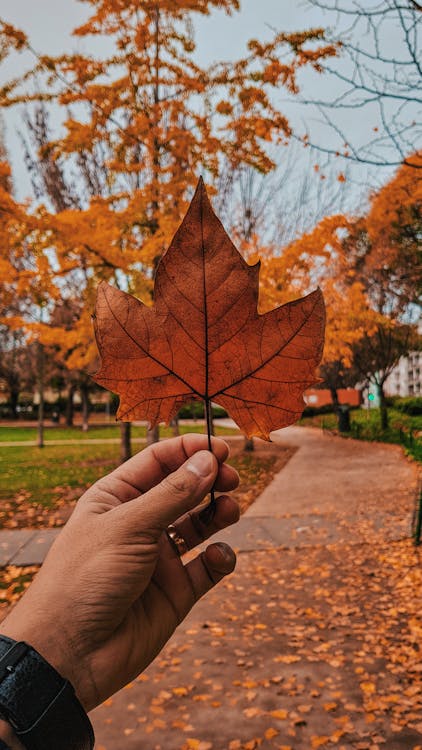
203 338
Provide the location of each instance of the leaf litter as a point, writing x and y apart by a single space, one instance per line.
300 649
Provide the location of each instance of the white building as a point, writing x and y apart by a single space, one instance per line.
406 378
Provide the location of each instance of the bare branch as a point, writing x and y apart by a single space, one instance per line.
388 87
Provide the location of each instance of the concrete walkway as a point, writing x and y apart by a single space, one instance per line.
279 655
327 493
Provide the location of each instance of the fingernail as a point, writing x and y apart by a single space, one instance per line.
226 551
201 464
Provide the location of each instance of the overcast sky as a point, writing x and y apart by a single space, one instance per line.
48 24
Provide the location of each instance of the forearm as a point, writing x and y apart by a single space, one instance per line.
8 736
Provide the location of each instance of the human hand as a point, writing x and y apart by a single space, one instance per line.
113 588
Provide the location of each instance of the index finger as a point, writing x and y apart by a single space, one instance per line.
149 467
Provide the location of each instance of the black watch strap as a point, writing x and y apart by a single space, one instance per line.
40 705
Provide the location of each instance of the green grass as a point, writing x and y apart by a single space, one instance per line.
19 434
44 475
30 476
403 429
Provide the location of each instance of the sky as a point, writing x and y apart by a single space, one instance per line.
48 24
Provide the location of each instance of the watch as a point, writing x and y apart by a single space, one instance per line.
39 704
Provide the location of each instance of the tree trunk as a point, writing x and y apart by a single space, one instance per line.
85 408
14 397
70 405
249 444
342 411
153 435
40 379
383 407
125 441
334 398
107 408
174 424
58 408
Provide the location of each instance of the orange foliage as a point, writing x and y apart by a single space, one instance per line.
322 257
24 261
394 210
349 318
153 118
366 266
395 198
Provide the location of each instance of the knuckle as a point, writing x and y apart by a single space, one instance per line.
179 483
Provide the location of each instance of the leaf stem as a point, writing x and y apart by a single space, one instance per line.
207 514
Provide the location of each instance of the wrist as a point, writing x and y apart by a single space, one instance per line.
21 627
40 641
8 736
38 703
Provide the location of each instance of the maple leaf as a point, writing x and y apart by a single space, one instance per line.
203 338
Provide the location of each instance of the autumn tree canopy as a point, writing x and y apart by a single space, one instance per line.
140 123
369 268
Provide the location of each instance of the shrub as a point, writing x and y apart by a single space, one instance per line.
411 405
313 411
195 410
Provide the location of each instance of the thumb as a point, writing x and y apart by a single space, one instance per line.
176 494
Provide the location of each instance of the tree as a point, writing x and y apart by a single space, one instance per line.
384 254
141 123
26 283
389 241
349 319
16 365
268 216
380 78
318 258
369 269
376 356
382 248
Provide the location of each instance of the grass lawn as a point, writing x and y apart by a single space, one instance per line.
39 487
19 434
365 425
44 473
34 480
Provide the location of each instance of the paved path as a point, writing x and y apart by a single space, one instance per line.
280 654
327 493
287 651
